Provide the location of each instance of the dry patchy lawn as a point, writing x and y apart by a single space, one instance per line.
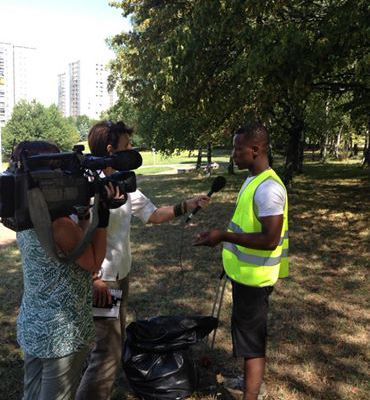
319 316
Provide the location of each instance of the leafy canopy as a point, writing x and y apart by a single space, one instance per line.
195 70
33 121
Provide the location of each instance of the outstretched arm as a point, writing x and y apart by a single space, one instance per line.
167 213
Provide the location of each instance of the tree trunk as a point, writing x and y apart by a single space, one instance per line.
367 139
301 154
326 140
209 153
294 156
199 159
366 161
337 143
209 159
230 167
324 148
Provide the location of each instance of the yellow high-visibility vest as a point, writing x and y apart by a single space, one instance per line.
253 267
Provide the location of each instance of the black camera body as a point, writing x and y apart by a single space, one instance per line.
67 182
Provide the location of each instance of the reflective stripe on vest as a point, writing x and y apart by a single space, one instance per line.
250 266
233 227
256 261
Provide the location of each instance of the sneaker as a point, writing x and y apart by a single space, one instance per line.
236 387
236 383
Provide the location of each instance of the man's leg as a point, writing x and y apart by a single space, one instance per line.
254 369
104 360
249 332
124 286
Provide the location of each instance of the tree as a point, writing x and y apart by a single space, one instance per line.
197 69
124 110
33 121
83 124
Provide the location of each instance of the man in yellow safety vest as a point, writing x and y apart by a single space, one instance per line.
255 251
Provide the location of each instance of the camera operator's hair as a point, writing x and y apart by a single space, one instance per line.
33 148
104 133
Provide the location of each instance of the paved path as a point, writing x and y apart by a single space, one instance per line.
7 236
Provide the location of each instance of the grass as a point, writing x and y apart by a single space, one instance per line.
182 158
319 316
153 170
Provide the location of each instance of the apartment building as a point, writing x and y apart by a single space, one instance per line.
17 71
82 90
63 104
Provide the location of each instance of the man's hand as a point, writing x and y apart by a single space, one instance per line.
210 238
102 296
115 198
201 201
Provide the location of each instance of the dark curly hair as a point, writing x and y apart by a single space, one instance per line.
104 133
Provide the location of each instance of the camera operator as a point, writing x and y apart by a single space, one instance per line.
107 138
55 325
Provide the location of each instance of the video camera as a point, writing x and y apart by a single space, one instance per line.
67 181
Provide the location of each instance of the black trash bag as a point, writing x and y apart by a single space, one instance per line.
157 359
168 333
153 376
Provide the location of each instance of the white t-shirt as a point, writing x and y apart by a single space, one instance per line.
117 262
269 198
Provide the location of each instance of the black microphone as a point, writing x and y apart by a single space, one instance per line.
121 161
218 184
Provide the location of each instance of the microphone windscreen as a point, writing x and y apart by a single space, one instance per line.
218 184
126 160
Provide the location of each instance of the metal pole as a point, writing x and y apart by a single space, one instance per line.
219 312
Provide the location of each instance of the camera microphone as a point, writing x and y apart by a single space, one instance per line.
121 161
218 184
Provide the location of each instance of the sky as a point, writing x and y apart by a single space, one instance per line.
62 31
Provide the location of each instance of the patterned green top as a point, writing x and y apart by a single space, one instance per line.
55 318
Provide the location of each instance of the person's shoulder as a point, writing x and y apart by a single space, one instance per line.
271 184
270 188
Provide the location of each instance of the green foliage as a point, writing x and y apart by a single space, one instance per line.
194 70
125 111
83 124
33 121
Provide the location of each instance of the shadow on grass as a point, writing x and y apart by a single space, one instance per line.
11 361
318 325
317 328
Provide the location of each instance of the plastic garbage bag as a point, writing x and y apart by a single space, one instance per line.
157 359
